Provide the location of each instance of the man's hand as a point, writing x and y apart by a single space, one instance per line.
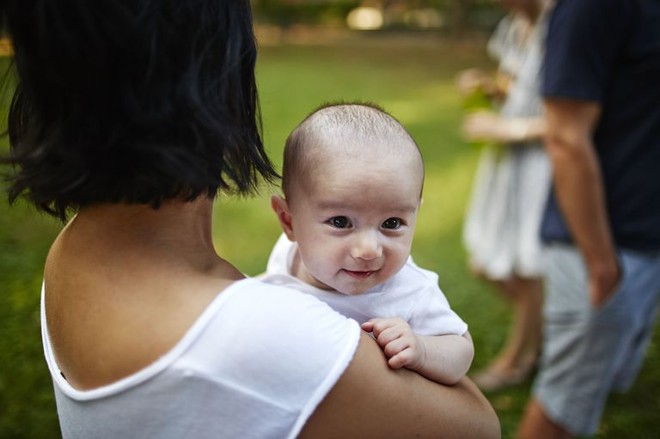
604 280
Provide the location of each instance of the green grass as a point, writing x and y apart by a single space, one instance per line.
415 83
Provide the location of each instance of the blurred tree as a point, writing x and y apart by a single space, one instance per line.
459 13
460 17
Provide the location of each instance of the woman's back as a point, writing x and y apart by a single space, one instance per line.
129 323
118 298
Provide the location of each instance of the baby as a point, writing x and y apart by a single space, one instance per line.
352 184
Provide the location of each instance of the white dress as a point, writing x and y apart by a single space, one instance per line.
501 230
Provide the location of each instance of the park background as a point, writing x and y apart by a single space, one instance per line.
403 55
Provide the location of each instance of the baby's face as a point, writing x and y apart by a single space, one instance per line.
354 222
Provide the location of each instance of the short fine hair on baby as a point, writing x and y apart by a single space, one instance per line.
342 125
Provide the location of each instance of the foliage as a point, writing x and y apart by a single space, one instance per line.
415 83
458 16
285 13
27 408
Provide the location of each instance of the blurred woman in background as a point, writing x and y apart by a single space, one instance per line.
501 231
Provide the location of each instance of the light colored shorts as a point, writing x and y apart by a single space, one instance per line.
589 352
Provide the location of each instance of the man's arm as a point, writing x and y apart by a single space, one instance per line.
371 400
579 188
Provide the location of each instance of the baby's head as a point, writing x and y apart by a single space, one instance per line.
352 183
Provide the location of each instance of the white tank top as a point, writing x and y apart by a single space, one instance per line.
255 364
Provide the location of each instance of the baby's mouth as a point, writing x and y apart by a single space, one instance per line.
360 274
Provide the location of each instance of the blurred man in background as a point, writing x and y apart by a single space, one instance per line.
602 223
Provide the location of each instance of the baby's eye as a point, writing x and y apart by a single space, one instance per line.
339 222
391 223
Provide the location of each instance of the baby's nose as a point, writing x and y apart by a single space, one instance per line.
367 246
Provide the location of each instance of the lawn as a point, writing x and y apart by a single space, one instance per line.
413 79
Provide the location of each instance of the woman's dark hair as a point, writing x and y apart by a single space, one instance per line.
132 101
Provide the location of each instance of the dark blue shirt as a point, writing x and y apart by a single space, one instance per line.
608 51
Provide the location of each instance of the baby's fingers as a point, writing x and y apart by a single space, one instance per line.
379 325
404 358
368 326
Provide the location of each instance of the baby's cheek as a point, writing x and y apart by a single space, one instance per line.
325 270
399 260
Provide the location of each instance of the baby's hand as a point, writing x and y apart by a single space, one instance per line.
401 345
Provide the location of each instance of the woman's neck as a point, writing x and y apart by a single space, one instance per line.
177 229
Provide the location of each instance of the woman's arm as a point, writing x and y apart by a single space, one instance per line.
371 400
489 126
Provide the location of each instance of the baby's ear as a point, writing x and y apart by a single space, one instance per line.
281 209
